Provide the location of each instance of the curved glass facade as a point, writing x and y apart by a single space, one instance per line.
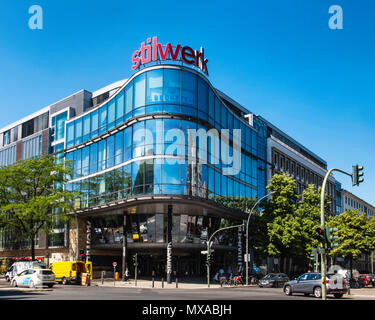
150 155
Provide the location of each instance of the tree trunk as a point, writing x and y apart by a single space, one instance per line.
33 248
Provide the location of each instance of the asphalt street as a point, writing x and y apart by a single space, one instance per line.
72 292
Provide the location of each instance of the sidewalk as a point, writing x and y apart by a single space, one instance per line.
147 284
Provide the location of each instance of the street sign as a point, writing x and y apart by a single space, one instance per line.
246 257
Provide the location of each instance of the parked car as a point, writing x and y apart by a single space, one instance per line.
18 267
275 280
34 278
70 271
311 283
365 280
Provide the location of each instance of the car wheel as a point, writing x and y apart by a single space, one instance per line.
64 281
338 295
318 292
288 290
7 279
31 284
14 283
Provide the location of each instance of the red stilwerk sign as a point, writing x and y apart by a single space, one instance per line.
153 51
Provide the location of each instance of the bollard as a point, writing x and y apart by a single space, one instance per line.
162 282
153 281
176 283
103 276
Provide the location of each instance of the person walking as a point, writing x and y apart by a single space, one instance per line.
127 274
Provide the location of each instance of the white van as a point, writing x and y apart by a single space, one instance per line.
17 267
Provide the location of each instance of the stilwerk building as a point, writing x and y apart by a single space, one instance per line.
151 155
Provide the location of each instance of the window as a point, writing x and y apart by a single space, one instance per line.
171 92
102 119
139 91
119 107
128 100
111 114
202 96
189 89
154 86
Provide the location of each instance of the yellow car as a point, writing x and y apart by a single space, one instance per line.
70 271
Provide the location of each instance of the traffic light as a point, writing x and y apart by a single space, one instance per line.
357 174
135 260
331 243
209 259
313 254
320 235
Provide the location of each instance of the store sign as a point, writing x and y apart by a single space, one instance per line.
153 51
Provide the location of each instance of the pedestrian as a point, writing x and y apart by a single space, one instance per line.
126 274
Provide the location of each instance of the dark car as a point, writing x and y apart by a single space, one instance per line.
275 280
311 283
365 280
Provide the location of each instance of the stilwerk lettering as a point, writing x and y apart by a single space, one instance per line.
153 51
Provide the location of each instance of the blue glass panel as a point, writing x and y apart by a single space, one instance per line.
110 151
93 158
171 174
217 184
211 182
154 86
139 91
77 163
85 161
217 111
224 185
171 92
120 105
129 98
94 123
137 177
78 131
202 95
70 132
111 114
158 108
230 187
103 119
128 140
171 108
211 106
119 146
139 111
189 89
224 113
138 139
102 155
60 125
86 127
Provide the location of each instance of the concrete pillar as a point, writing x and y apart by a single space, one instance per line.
239 250
124 244
169 245
88 240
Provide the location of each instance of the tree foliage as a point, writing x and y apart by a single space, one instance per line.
32 197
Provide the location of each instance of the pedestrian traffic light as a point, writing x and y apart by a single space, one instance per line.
135 260
209 259
331 238
320 235
357 174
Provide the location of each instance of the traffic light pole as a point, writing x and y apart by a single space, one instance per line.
209 249
322 223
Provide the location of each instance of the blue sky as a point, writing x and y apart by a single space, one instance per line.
277 58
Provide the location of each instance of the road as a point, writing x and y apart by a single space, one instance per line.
72 292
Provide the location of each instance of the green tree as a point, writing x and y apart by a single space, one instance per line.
356 234
30 191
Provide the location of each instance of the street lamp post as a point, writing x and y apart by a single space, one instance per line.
247 235
209 248
322 225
